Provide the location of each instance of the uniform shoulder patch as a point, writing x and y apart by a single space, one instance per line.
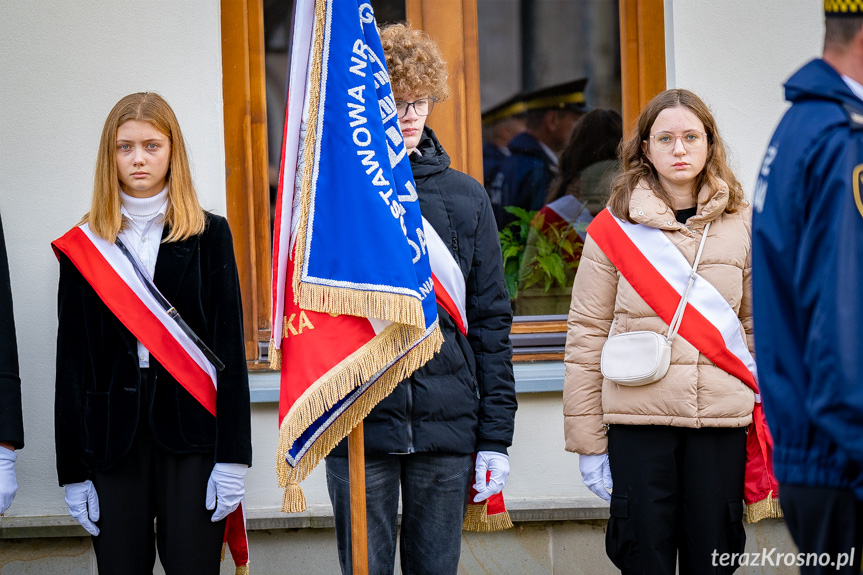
856 185
855 116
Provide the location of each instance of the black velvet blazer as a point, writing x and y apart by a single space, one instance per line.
11 428
98 383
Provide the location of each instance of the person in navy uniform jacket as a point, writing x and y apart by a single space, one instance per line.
808 281
523 179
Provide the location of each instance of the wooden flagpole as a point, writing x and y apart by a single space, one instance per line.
357 476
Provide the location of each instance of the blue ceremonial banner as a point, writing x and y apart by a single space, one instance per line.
354 300
361 180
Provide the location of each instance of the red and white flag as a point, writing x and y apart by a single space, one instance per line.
356 273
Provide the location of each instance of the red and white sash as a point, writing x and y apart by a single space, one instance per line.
449 284
708 323
657 270
113 278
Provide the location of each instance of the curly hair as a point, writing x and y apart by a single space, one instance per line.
637 167
415 63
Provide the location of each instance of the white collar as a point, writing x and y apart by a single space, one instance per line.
855 86
549 152
144 208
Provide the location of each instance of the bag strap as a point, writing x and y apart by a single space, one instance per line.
678 313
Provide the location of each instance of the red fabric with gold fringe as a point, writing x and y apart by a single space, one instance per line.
486 516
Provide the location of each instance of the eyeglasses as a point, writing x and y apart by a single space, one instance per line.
422 107
664 141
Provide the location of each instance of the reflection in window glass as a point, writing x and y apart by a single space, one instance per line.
550 90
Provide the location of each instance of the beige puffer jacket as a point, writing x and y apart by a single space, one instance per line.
694 392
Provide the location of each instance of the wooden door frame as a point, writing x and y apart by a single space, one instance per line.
246 162
642 55
457 122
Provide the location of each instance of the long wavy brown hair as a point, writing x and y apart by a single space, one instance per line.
185 217
415 63
636 167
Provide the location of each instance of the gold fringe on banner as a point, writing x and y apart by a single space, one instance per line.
478 519
274 356
352 372
308 133
767 508
397 308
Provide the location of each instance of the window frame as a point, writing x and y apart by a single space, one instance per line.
456 122
246 166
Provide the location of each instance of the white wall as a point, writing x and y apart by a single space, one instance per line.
63 66
736 54
63 70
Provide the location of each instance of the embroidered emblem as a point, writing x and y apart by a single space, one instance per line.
858 176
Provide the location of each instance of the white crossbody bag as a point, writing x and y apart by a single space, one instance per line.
642 357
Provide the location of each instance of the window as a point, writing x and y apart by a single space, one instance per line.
254 60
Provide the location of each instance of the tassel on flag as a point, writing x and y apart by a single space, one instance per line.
354 307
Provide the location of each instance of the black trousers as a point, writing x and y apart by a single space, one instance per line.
827 525
151 484
678 492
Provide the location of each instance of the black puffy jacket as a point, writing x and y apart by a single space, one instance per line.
463 399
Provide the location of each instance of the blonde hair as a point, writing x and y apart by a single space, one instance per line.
637 167
185 217
415 63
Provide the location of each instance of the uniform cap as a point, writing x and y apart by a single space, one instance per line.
569 95
843 7
509 108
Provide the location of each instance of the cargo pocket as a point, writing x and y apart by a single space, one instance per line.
736 534
620 540
96 424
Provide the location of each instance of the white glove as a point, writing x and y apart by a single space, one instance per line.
8 481
225 489
596 474
83 505
498 464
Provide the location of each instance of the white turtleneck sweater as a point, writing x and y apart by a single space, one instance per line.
143 222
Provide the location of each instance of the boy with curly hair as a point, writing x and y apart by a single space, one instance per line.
422 437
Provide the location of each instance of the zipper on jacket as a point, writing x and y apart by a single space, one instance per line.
408 419
455 245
